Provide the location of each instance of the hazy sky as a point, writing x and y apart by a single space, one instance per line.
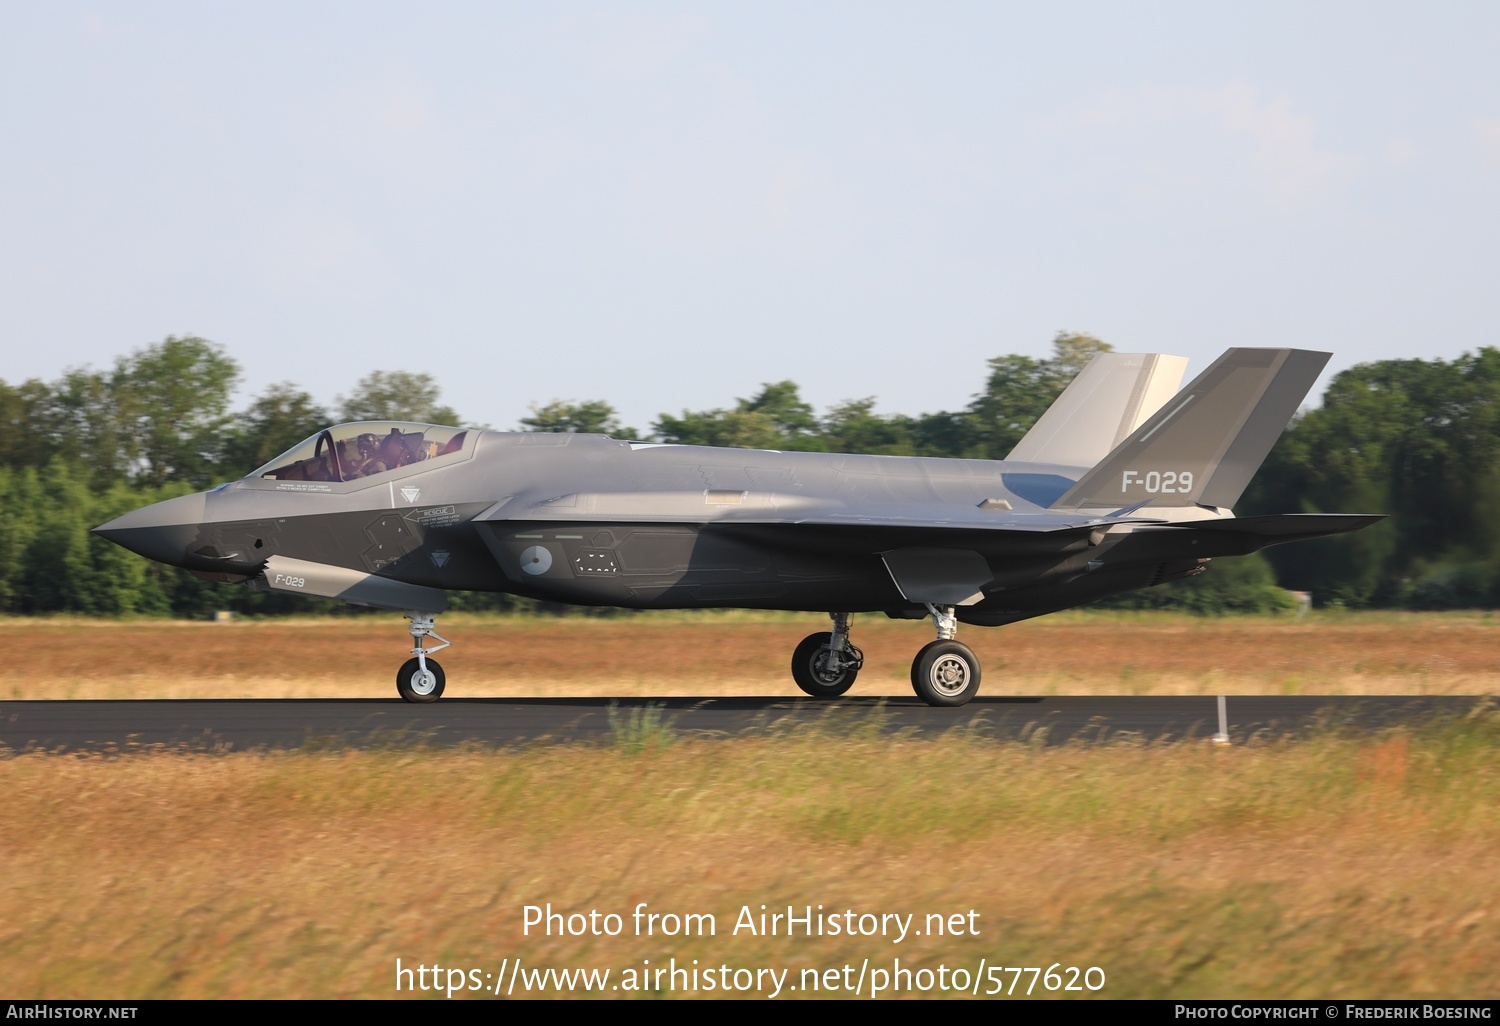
666 204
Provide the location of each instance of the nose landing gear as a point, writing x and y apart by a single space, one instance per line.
421 679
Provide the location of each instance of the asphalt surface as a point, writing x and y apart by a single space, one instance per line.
225 725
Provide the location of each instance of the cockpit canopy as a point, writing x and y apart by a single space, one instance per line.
349 452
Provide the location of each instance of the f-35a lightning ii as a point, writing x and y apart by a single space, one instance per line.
1123 483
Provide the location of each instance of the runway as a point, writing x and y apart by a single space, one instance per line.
234 725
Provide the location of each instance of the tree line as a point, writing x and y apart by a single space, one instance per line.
1419 439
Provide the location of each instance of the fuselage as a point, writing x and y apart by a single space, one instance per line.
593 520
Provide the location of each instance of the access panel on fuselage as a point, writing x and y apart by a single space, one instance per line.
673 566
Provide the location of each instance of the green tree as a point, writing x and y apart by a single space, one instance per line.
57 572
27 430
1229 584
172 403
396 395
775 418
854 426
593 417
1018 391
123 582
19 498
1418 439
737 428
84 422
276 420
49 560
793 418
160 414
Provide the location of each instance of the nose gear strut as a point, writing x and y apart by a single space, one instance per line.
421 679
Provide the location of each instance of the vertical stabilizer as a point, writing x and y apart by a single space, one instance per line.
1206 443
1108 400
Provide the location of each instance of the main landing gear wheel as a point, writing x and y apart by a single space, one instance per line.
945 672
416 685
812 669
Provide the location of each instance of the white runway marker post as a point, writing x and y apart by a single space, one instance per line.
1222 737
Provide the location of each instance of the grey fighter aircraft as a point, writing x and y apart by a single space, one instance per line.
1124 483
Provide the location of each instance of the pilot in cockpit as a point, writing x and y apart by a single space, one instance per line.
393 450
366 457
351 457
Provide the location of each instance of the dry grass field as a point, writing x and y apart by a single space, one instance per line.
1330 867
1338 867
657 655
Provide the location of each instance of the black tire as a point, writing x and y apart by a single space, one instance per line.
411 686
945 673
810 668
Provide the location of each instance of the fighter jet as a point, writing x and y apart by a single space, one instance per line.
1124 483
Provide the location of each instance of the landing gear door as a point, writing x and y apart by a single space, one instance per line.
939 577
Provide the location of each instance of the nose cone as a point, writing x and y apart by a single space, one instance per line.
165 531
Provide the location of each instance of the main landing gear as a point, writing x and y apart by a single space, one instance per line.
825 665
945 671
421 679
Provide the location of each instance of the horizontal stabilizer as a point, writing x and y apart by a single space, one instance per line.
972 520
1108 400
1205 444
1286 527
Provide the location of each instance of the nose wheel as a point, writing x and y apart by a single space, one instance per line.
420 678
417 683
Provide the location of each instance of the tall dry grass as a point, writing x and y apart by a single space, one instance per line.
1339 866
748 654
